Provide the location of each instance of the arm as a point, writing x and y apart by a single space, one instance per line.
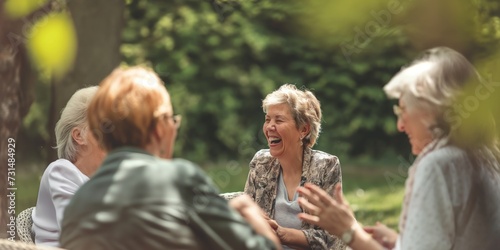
255 216
329 175
383 235
335 216
250 185
291 237
63 182
222 227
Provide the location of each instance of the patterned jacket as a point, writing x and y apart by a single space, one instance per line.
318 167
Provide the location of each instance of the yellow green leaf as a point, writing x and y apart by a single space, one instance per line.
52 44
20 8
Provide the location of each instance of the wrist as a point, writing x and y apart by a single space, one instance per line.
281 233
349 235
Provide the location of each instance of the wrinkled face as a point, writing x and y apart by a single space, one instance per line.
412 122
282 134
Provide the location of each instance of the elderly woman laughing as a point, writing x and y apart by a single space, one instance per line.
292 125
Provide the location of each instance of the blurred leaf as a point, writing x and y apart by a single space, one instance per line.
20 8
52 44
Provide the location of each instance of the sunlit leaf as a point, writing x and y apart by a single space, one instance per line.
52 44
20 8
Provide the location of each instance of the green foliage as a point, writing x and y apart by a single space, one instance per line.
219 60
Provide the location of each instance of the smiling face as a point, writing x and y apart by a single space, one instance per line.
282 134
413 123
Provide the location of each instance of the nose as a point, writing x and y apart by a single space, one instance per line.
400 125
269 126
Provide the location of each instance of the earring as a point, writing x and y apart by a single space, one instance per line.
301 141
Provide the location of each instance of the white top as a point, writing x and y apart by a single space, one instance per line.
455 204
59 183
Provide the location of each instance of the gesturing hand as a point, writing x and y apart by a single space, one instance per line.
254 215
382 234
333 215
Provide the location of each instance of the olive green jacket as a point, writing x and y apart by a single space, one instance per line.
138 201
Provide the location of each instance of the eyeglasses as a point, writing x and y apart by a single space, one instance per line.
177 120
398 111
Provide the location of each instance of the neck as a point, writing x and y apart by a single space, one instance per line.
152 149
292 165
84 165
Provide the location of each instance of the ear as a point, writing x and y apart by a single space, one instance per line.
77 135
159 130
304 130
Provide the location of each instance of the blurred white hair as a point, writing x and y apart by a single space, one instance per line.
74 115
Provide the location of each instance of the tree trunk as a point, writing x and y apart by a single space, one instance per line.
16 96
98 26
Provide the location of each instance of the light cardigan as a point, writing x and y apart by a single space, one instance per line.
59 183
454 203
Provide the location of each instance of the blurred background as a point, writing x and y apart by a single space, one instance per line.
220 58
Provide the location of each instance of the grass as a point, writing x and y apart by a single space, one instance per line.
370 193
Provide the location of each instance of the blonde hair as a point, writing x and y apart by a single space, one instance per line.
126 107
304 106
74 115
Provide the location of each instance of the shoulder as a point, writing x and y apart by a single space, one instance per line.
182 171
262 157
448 167
61 164
444 159
321 158
61 169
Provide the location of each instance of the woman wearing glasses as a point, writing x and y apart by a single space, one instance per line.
141 198
452 198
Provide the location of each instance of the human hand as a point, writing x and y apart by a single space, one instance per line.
332 214
382 234
254 215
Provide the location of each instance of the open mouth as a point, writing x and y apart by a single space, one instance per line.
274 140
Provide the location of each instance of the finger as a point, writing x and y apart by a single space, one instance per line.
273 224
311 219
304 192
310 208
369 229
324 198
311 198
264 215
338 195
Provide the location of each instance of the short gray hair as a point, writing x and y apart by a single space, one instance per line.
437 76
304 106
437 82
434 82
74 115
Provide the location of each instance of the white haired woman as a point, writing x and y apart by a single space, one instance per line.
292 125
79 157
451 194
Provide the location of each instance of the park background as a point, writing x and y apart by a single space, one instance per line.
220 58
